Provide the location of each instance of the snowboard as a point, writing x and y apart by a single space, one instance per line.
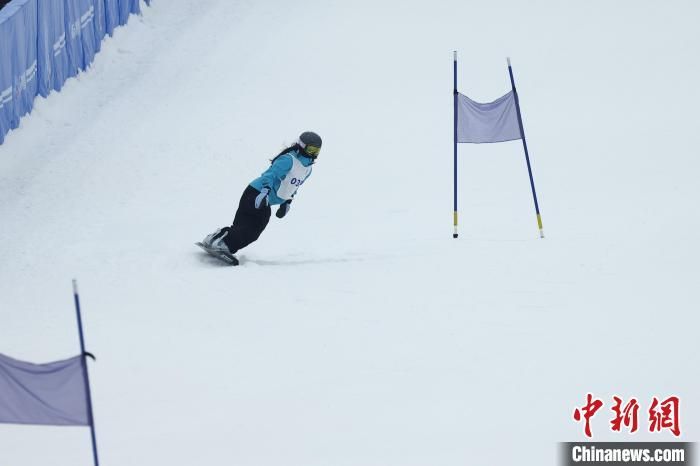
230 259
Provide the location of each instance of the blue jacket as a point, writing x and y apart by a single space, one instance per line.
273 176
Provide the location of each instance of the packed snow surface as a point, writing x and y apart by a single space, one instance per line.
358 332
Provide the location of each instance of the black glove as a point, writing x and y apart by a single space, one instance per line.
283 209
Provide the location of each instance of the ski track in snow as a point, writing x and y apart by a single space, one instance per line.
356 331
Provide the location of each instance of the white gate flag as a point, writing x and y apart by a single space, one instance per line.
46 394
495 121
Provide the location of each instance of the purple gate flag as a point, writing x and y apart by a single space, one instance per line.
495 121
47 394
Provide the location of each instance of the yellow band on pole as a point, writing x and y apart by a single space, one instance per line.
455 219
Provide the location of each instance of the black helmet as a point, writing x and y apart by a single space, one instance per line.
310 143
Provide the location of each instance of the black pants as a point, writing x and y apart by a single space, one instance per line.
248 223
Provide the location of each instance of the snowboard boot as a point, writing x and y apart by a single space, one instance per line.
215 241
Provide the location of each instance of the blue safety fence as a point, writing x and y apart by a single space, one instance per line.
43 43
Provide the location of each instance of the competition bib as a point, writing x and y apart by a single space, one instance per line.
295 178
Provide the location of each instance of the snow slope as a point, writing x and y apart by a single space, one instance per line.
358 332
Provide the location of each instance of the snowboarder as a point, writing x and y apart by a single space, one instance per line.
276 186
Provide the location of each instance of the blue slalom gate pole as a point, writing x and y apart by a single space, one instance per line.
527 156
84 355
455 234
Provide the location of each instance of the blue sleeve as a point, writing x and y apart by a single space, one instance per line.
278 170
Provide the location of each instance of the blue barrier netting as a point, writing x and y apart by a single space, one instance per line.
43 43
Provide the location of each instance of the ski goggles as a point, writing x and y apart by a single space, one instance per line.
312 151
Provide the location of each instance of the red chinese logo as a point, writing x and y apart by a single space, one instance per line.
588 412
626 415
662 414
